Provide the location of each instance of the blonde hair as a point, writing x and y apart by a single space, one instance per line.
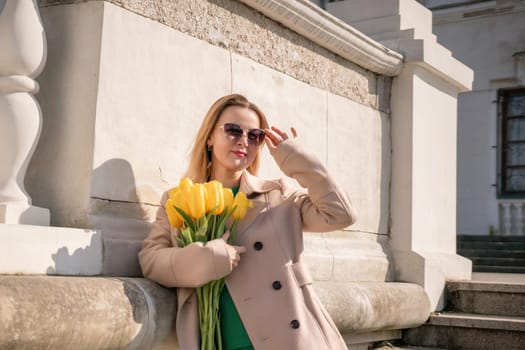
200 156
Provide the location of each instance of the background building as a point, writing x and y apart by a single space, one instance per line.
489 37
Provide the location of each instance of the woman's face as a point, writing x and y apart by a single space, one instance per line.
231 152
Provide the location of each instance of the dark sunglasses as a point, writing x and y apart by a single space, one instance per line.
235 132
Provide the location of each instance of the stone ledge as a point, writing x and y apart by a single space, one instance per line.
91 313
94 313
369 306
331 33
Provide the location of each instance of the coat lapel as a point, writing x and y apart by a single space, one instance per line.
255 188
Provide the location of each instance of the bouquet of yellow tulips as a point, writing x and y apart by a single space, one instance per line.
201 213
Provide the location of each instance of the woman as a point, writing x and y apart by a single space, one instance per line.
268 302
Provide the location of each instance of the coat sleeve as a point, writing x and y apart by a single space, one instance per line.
324 206
172 266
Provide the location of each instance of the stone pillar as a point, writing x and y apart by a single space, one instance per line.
22 58
424 113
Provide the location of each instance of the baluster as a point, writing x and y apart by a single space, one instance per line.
22 58
519 218
506 221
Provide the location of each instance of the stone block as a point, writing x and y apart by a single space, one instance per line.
160 91
117 108
359 155
348 257
121 257
291 103
26 249
23 214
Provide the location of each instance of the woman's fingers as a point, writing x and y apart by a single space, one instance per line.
275 136
234 251
236 256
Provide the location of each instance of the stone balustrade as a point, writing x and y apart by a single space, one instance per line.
23 48
511 217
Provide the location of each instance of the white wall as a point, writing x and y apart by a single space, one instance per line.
477 132
486 44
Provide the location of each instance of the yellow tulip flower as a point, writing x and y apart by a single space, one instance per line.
197 201
179 197
214 197
185 183
173 216
242 204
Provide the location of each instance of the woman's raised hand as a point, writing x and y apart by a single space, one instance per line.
234 251
275 136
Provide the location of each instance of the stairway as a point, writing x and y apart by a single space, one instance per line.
479 316
493 253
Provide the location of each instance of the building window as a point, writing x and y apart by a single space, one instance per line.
512 164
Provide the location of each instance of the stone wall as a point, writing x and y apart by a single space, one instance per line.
121 110
240 29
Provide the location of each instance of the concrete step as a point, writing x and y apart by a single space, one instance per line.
463 331
399 345
499 269
505 299
492 261
495 253
505 245
486 238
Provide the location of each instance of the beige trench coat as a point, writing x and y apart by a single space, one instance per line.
271 287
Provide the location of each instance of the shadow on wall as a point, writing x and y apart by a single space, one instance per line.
116 210
120 221
85 261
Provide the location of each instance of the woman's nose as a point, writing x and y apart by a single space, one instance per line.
243 139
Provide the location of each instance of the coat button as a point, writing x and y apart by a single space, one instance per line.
276 285
295 324
257 245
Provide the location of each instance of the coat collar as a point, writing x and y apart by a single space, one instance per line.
251 184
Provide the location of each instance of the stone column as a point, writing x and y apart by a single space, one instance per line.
424 117
22 58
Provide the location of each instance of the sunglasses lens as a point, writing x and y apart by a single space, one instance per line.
255 136
233 130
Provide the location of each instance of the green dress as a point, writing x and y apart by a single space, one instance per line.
234 336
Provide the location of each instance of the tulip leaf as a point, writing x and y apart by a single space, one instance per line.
187 236
180 242
186 218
